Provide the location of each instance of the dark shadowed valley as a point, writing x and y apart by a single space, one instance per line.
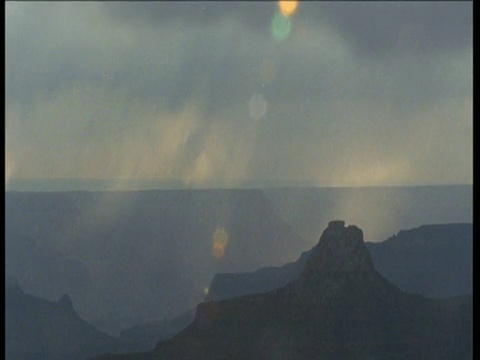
166 245
140 272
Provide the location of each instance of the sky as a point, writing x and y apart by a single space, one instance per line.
237 94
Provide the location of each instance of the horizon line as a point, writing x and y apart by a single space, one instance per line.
90 184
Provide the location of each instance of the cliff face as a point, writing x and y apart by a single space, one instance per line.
230 285
431 260
339 307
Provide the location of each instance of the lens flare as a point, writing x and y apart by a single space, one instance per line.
257 106
220 240
218 250
287 8
281 27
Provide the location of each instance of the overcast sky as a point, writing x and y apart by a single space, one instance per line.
228 94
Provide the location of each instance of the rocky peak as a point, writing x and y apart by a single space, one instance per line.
340 249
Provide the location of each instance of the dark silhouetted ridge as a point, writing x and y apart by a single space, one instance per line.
39 329
339 307
431 260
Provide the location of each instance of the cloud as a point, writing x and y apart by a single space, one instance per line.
198 14
360 93
374 28
383 28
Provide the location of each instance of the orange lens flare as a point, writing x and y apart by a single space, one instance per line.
218 250
220 240
288 8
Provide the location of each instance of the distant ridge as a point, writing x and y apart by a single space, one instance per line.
85 184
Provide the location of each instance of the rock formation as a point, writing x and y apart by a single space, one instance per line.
339 307
340 249
39 329
431 260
